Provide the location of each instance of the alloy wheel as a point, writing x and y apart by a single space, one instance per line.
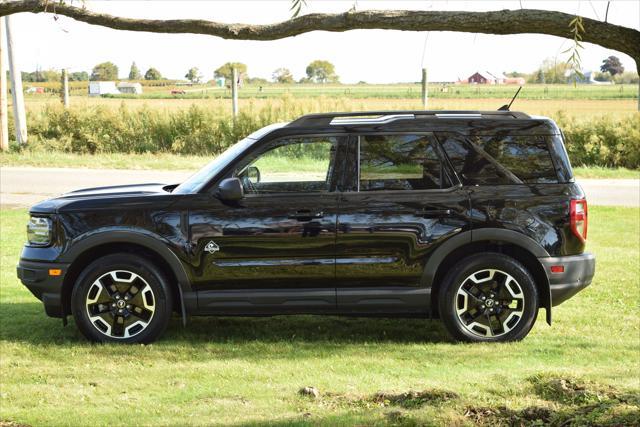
489 303
120 304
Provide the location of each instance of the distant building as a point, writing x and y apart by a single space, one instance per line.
219 81
103 88
515 81
487 78
127 87
588 77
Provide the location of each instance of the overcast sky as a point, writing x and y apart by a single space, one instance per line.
375 56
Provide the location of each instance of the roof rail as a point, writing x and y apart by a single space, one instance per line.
382 117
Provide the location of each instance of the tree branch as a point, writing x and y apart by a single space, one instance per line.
622 39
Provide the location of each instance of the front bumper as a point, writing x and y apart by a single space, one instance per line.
48 289
577 275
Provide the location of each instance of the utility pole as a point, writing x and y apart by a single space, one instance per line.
425 91
4 112
65 88
19 116
234 93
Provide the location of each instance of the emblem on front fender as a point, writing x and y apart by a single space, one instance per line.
212 247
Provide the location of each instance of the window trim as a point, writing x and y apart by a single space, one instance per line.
444 161
260 149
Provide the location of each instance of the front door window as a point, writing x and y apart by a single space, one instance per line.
298 165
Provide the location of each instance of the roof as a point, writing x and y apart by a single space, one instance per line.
385 117
487 75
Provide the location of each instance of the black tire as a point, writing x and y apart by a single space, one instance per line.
470 296
148 298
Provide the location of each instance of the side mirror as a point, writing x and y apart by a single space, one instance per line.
231 190
253 173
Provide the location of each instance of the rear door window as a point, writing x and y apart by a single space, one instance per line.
494 160
401 162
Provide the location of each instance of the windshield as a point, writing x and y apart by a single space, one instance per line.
200 178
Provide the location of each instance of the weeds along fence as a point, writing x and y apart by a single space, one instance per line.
601 141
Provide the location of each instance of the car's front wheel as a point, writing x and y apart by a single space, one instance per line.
489 297
121 298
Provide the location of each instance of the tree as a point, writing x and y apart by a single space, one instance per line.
226 70
193 75
40 76
551 71
152 74
79 76
282 75
105 71
134 72
321 72
612 65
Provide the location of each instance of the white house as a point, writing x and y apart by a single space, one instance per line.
127 87
103 88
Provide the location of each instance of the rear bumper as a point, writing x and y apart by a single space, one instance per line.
577 275
48 289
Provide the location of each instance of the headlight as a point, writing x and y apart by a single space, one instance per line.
39 231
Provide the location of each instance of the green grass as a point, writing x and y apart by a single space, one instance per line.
395 91
167 161
239 371
598 172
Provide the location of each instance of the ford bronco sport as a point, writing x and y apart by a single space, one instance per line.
472 217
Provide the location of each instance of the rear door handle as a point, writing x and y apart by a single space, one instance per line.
434 213
306 215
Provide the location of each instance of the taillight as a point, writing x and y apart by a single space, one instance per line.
578 216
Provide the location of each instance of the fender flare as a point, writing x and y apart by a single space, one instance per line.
483 235
144 238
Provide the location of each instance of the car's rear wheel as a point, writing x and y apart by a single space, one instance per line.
489 297
122 298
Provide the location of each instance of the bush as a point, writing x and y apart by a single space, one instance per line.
601 141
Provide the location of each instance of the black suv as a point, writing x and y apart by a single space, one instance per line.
473 217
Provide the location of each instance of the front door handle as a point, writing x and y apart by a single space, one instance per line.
434 213
306 215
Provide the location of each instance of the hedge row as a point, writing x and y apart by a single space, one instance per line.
601 141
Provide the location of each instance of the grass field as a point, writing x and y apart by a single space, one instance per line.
578 108
167 161
388 91
239 371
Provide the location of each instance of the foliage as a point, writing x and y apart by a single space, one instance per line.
602 77
193 75
260 81
612 65
104 72
320 71
601 141
551 71
628 77
226 70
152 74
576 28
79 76
282 75
134 72
41 76
296 7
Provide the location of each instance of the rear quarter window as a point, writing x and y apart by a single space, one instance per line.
494 160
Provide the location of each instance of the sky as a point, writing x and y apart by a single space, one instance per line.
374 56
